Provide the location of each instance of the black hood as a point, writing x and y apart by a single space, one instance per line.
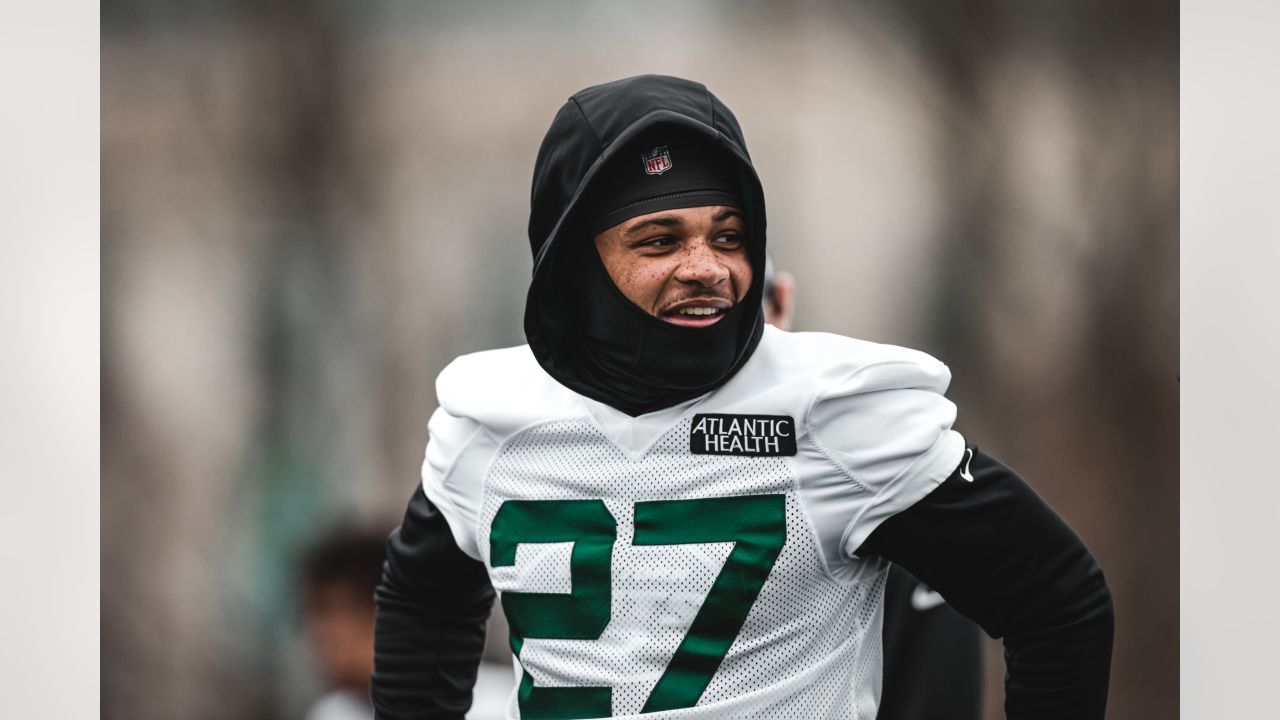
595 125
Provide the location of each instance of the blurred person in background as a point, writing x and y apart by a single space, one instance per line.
932 654
339 576
653 415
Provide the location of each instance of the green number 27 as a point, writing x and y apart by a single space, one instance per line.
756 524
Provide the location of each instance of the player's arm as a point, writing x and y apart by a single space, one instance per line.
433 602
1002 557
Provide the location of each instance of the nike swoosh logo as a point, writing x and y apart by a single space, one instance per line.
922 598
964 472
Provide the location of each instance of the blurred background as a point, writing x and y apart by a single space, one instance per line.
309 208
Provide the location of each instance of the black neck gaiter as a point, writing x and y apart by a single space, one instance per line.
638 363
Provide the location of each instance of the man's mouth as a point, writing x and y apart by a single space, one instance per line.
697 313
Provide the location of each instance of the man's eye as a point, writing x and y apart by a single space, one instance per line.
657 242
730 239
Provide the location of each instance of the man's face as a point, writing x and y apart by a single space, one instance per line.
338 619
687 266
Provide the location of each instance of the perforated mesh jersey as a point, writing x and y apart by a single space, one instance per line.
802 629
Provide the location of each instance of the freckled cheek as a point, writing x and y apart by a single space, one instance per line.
648 287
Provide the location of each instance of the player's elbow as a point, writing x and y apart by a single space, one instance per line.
1097 614
1077 626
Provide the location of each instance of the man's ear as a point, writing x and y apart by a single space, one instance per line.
780 305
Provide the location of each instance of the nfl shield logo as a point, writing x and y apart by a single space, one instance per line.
656 161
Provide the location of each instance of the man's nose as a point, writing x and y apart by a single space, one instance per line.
702 265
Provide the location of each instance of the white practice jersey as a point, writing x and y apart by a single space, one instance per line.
697 561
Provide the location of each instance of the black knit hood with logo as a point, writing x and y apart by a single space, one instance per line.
584 332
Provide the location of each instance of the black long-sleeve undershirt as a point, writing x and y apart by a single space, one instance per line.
1004 559
433 602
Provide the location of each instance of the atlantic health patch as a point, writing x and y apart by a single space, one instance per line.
749 435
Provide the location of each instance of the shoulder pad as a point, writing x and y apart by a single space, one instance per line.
503 390
840 365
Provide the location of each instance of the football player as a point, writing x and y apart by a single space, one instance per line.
687 514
